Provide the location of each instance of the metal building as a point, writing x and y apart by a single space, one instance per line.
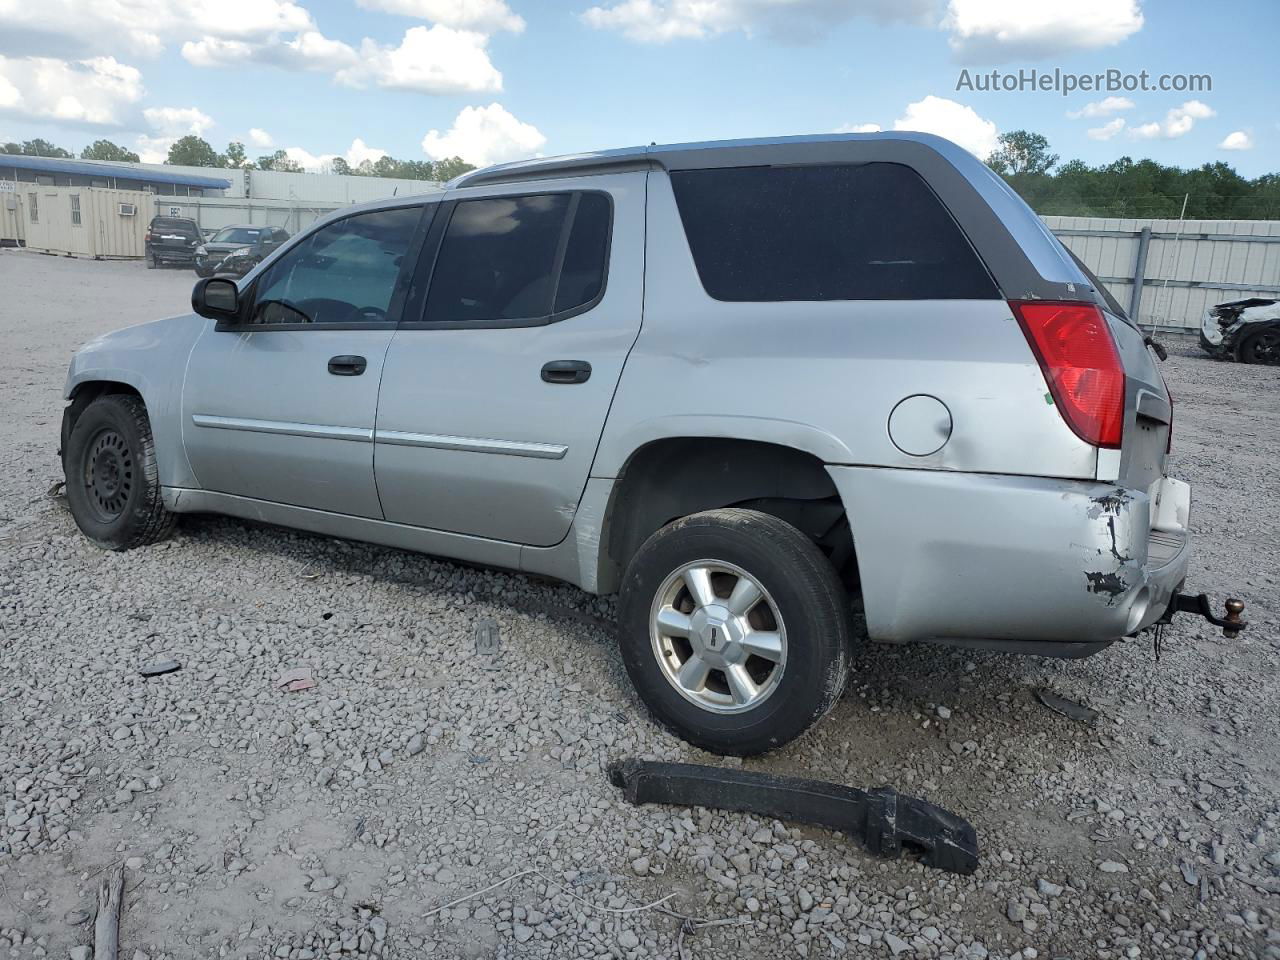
58 172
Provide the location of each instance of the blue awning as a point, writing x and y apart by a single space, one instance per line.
120 171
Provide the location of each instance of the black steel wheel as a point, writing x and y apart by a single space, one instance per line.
113 485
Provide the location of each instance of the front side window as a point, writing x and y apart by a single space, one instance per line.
75 209
871 231
520 258
344 272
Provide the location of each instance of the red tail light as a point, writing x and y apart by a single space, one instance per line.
1080 364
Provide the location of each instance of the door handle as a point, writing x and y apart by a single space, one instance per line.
347 365
566 371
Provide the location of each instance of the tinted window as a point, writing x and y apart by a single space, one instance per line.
237 235
517 258
344 272
872 231
170 225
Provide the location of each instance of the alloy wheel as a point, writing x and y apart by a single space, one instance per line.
718 636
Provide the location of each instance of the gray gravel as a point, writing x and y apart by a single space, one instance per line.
337 821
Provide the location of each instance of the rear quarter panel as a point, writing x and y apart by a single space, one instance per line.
824 376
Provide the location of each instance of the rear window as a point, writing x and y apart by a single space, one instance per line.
872 231
175 226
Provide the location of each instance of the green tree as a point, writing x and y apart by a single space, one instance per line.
279 161
1022 152
106 150
451 167
193 151
235 155
341 167
37 148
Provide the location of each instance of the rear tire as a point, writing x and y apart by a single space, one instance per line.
151 261
764 653
113 485
1262 347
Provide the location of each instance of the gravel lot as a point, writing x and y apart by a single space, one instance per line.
337 821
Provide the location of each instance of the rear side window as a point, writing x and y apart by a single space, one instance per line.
520 258
872 231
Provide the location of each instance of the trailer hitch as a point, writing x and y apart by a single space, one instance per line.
883 819
1231 624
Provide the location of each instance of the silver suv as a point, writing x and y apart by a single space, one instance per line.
738 383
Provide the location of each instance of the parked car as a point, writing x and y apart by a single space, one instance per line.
1244 330
735 383
170 240
237 249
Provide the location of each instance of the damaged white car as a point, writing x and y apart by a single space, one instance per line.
1244 330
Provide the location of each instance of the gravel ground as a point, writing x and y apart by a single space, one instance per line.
338 821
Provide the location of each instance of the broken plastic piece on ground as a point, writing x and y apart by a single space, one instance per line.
1068 708
158 668
883 819
298 678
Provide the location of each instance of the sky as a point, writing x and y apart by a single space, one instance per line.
497 80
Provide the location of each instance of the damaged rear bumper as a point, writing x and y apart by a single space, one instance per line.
1031 564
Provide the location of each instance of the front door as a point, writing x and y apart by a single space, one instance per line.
280 405
494 398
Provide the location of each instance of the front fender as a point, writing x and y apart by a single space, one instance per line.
150 358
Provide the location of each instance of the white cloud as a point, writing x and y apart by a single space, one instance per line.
91 92
260 138
1107 130
1237 140
1102 108
169 123
309 50
660 21
997 31
356 154
1177 122
429 60
859 128
952 120
484 135
178 121
484 16
74 28
359 152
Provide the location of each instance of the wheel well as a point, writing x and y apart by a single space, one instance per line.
83 395
675 477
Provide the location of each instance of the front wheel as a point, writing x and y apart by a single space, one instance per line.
1262 347
113 486
734 629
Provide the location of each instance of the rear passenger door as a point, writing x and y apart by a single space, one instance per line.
500 377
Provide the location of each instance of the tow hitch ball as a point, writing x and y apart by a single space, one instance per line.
1231 624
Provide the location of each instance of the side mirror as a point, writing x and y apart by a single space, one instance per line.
216 298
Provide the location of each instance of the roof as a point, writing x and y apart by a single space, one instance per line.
99 168
716 153
1026 257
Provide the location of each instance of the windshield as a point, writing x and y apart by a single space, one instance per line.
237 235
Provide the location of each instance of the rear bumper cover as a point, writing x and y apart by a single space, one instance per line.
981 557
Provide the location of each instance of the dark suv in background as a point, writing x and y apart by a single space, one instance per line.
171 240
236 249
